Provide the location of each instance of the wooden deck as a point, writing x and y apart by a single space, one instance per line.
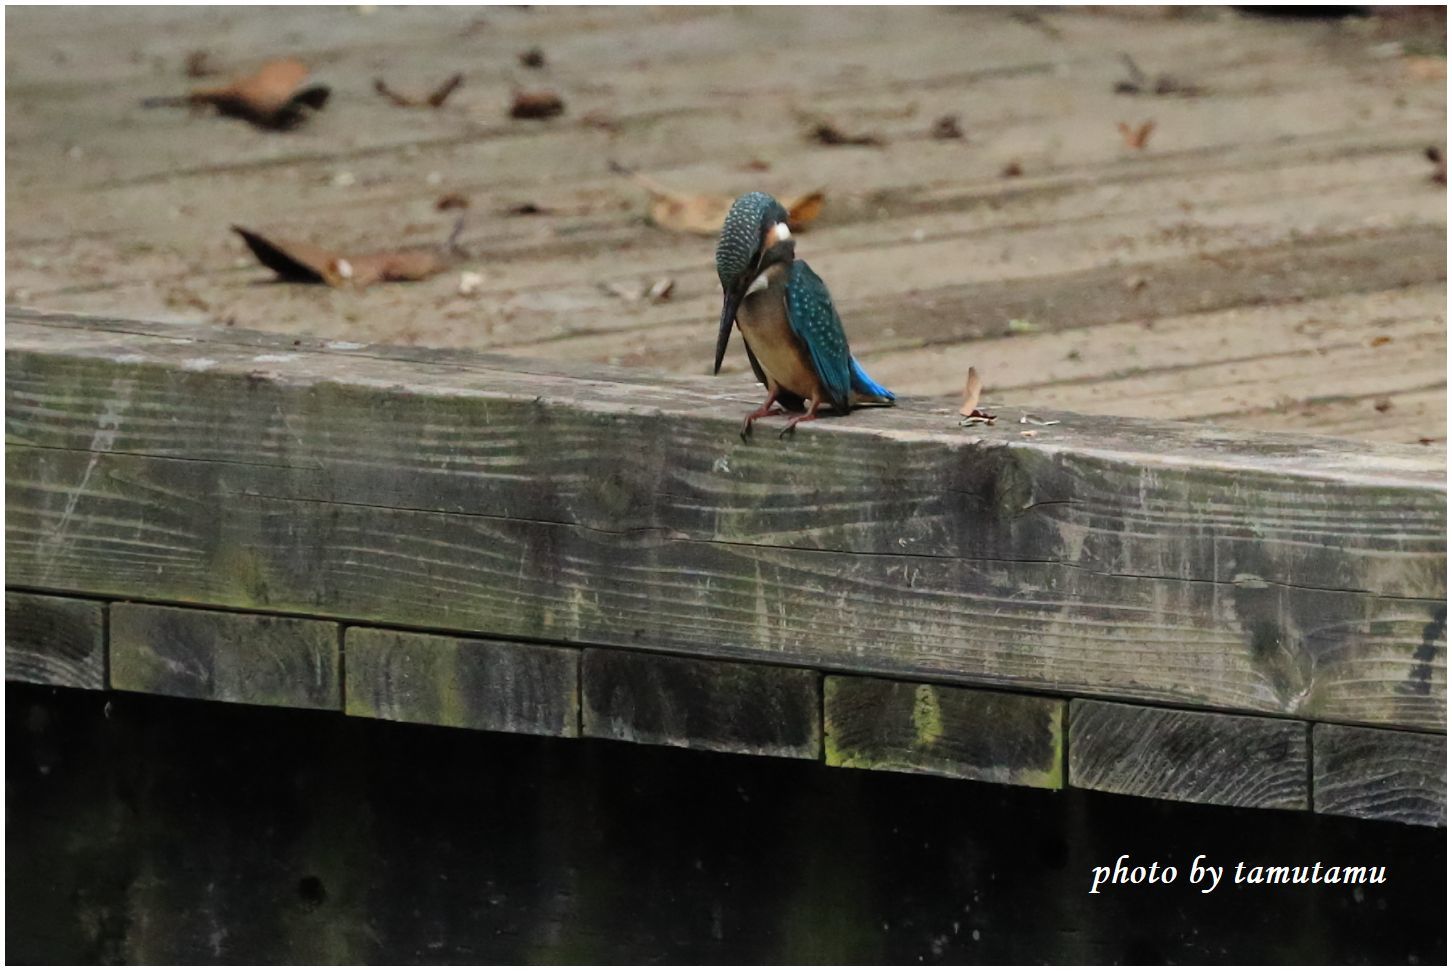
1273 259
1127 605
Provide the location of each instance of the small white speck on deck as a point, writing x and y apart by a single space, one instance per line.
198 364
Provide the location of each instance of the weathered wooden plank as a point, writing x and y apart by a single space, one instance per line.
461 683
220 656
990 736
227 534
1135 558
1188 756
752 709
55 640
1378 774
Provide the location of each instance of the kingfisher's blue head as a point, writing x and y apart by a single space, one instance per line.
754 236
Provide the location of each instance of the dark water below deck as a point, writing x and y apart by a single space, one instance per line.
171 831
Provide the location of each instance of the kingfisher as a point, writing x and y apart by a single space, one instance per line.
794 338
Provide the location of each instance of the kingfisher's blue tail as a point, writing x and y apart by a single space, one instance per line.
866 387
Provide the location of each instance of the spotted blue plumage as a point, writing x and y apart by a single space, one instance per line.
740 242
815 322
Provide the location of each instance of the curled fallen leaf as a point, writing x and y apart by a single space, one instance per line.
1012 170
947 127
301 262
827 133
1163 84
1136 138
536 104
1379 340
1424 68
702 214
661 290
534 57
452 200
600 120
803 210
199 64
1439 159
276 96
434 99
527 209
972 390
1383 405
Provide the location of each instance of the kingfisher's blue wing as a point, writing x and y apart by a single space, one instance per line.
815 322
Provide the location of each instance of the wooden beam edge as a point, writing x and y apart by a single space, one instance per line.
274 357
845 721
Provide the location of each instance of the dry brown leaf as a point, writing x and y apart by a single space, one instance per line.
452 200
534 57
397 266
527 209
1163 84
1379 340
803 210
536 104
1437 158
829 134
274 97
757 165
1383 405
600 120
439 95
1136 138
972 390
299 262
434 99
1423 68
1012 170
199 64
947 127
703 214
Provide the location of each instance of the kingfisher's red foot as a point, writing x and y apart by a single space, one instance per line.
767 409
811 415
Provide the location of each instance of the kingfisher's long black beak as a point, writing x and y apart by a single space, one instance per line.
729 303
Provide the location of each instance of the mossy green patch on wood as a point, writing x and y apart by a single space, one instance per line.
462 683
927 715
220 656
871 723
715 705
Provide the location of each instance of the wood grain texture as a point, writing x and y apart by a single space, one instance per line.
750 709
1281 182
1129 558
490 685
871 723
1377 774
1227 760
55 640
220 656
